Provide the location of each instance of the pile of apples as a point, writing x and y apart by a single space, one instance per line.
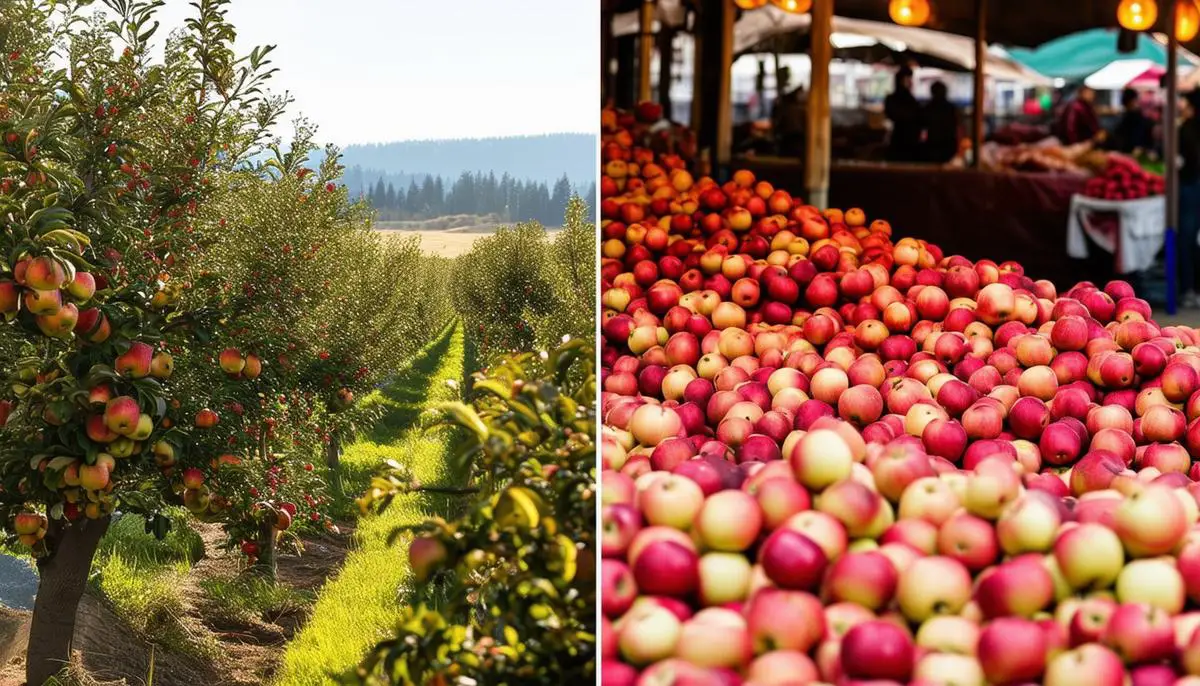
834 457
1124 179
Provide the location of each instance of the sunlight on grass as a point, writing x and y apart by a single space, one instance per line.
149 597
359 606
247 598
141 578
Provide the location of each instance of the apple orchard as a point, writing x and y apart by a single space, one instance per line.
184 326
835 455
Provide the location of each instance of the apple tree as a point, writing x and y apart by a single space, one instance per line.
141 366
506 591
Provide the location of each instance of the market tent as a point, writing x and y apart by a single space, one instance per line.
1079 55
1121 73
1010 22
754 28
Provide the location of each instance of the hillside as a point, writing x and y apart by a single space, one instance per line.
535 158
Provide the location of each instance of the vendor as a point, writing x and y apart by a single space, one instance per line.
1078 121
1189 197
940 126
903 110
790 121
1134 132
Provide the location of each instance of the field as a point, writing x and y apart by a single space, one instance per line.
448 236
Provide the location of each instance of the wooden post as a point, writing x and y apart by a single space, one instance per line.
711 109
624 92
1171 156
606 55
666 59
980 84
645 48
819 145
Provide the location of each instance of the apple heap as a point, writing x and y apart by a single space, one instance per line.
1124 179
834 456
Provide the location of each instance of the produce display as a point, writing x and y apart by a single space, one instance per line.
1124 179
1046 155
831 456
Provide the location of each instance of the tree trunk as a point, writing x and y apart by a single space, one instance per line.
266 550
63 579
333 460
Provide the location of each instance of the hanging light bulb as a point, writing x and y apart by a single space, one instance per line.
1187 20
1137 15
793 6
909 12
750 4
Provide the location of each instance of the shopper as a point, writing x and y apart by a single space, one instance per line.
1078 121
1189 198
903 110
940 126
790 119
1134 132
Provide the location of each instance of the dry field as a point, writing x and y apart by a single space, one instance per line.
448 236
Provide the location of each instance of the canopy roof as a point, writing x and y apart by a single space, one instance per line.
1085 53
949 50
1009 22
1122 73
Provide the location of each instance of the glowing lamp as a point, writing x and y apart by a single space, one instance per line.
909 12
750 4
1137 15
1187 20
793 6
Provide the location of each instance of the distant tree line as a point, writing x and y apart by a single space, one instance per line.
474 193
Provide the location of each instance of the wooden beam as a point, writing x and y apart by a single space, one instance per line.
980 95
1170 155
819 146
606 56
666 58
645 48
711 109
624 90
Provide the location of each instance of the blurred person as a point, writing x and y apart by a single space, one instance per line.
940 126
790 121
1188 160
1078 121
1134 132
903 110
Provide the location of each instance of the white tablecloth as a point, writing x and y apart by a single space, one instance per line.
1138 239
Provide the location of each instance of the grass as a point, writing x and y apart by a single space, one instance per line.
243 599
359 606
142 578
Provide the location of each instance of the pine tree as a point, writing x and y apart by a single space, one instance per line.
412 199
558 200
390 197
379 195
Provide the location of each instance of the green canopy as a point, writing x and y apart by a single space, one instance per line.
1079 55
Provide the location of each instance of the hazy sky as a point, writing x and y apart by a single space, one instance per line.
384 70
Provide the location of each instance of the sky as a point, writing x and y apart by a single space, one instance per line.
374 71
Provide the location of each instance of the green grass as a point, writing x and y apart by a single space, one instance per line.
244 599
141 577
359 606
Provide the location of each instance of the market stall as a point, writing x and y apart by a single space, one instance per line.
956 204
975 213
